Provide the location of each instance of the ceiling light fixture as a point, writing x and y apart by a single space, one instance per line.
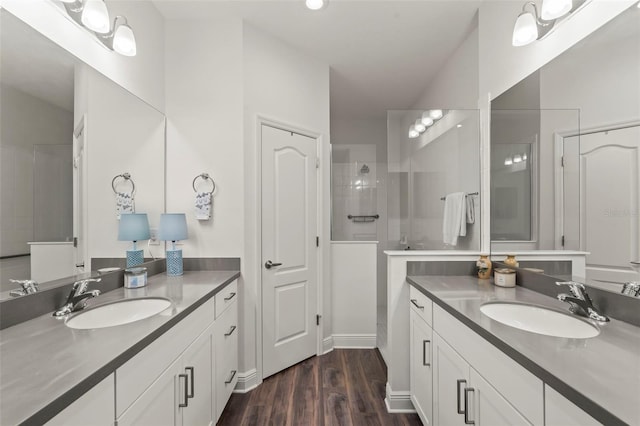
93 15
531 26
316 4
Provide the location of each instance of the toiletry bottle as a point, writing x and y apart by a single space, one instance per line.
484 267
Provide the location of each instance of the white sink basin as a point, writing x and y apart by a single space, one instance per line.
539 320
118 313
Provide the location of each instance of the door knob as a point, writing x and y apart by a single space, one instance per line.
270 264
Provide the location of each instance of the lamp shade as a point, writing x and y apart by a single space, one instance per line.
95 16
554 9
173 227
525 30
124 41
133 227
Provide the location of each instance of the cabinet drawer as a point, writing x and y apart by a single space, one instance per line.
226 358
136 375
421 305
226 297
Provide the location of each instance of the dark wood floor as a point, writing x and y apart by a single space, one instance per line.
343 387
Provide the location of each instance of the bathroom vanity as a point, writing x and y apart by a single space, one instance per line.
176 367
467 367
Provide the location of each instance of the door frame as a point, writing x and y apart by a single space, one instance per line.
558 147
287 126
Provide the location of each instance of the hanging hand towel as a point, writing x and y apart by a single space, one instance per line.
203 205
471 210
124 203
454 223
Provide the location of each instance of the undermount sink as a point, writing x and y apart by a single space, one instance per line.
537 319
118 313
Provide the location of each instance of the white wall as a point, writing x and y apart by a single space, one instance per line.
25 121
286 86
142 75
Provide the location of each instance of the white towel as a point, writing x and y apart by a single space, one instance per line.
124 203
471 210
203 205
454 224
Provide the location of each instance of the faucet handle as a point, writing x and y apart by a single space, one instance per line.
80 286
577 289
29 286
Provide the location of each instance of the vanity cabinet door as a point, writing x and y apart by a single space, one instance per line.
488 407
559 411
96 407
158 405
196 364
450 377
421 373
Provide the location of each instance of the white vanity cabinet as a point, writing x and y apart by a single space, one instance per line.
421 343
95 407
559 411
225 373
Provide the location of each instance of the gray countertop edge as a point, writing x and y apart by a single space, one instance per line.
588 405
47 412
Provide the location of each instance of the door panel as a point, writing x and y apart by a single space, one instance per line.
490 408
289 226
449 368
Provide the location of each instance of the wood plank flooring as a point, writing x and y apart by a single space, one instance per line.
344 387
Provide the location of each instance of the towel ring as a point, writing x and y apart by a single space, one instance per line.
203 176
127 177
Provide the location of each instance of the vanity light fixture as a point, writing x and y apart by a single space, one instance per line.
508 161
426 119
531 26
419 126
316 4
413 133
436 114
517 158
94 16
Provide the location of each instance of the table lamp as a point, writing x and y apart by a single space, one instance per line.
173 227
134 227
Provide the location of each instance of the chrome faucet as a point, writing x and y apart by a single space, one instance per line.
28 287
580 301
632 288
78 297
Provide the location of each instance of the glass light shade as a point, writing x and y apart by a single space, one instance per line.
508 162
124 41
426 120
524 156
173 227
95 16
554 9
419 126
133 227
436 114
525 30
413 133
315 4
517 159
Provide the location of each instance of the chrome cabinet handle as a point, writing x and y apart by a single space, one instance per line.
458 396
233 374
466 406
231 296
424 353
192 385
230 332
186 395
270 264
415 302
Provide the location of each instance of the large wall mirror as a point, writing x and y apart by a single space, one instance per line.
565 163
66 132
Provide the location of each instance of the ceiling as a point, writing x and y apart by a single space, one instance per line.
382 54
33 64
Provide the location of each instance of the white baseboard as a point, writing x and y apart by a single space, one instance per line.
247 381
398 402
354 341
327 345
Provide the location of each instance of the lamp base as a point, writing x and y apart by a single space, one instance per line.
174 262
135 258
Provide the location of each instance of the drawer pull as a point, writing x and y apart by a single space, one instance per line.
231 296
230 332
424 353
458 396
415 302
186 395
192 385
466 407
233 374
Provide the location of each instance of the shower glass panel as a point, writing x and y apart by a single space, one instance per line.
443 159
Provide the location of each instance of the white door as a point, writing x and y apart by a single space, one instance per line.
607 184
289 216
79 195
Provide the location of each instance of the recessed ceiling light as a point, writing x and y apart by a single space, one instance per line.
316 4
